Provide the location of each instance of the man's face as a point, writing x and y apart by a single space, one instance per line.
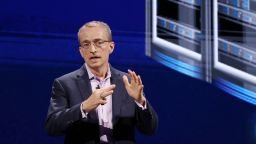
95 46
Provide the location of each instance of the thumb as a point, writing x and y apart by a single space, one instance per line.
125 80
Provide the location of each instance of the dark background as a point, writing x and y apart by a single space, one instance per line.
38 43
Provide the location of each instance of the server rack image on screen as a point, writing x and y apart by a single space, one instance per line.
176 35
235 47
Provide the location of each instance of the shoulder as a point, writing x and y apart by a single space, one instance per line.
70 76
117 73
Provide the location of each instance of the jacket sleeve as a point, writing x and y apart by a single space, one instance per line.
60 115
146 120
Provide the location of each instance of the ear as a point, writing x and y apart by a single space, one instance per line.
112 47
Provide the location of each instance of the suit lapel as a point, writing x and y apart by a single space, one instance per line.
85 89
116 96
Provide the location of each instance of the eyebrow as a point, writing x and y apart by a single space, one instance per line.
97 39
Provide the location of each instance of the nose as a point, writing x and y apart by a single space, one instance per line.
93 48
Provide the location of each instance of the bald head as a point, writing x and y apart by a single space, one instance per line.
92 24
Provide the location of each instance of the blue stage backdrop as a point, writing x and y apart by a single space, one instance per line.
38 43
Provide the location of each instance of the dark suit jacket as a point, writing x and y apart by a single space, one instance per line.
64 115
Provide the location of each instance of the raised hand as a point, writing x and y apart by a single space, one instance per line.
135 87
98 97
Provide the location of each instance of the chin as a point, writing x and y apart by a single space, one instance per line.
94 65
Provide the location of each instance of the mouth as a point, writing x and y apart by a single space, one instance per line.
95 57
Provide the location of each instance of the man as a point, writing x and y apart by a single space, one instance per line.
97 103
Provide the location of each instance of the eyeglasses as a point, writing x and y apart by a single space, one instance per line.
97 43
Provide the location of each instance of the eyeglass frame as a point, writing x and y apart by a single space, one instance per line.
95 43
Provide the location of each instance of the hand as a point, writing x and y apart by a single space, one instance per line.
98 97
135 88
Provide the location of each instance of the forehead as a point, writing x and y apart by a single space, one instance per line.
89 33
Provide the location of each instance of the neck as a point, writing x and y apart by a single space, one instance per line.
100 72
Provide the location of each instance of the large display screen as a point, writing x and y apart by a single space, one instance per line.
234 48
176 34
209 40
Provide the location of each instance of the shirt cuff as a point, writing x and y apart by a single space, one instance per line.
84 114
143 107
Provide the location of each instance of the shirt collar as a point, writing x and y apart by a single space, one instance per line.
92 76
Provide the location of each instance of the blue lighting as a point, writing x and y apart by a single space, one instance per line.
178 65
237 91
177 62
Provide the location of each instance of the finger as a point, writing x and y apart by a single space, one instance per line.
106 93
140 81
102 97
129 71
103 101
135 77
141 87
131 75
108 88
125 80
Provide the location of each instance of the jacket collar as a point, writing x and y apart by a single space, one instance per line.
84 85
